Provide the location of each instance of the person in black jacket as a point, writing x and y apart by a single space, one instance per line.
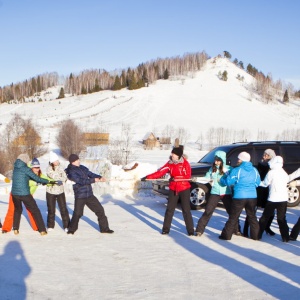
83 191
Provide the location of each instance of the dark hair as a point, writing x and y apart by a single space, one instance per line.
52 166
214 168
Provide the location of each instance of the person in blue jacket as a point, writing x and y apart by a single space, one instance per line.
83 191
244 179
217 193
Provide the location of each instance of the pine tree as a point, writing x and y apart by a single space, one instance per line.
166 74
133 83
286 97
83 91
61 94
97 87
227 54
145 77
117 84
33 85
39 86
123 79
224 76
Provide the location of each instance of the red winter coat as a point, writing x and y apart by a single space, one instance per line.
177 170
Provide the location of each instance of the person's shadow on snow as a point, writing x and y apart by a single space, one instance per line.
14 269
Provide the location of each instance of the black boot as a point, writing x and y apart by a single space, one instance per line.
268 229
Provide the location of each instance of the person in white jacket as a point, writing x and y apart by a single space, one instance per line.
277 180
296 229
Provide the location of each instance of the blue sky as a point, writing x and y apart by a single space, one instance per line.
65 36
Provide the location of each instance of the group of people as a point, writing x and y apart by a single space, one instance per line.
25 179
237 188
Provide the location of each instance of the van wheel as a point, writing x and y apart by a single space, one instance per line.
198 195
294 196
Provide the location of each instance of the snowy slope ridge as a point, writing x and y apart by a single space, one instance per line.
196 103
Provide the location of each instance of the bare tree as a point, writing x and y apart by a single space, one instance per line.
183 135
120 150
21 136
70 138
168 132
4 164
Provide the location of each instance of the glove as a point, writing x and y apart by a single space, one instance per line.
144 178
293 183
52 182
59 182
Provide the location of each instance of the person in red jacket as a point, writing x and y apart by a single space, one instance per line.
179 188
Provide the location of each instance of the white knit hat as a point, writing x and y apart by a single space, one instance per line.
53 157
244 156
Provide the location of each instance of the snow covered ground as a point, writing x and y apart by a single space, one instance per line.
137 262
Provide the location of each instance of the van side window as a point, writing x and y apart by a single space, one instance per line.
291 154
232 157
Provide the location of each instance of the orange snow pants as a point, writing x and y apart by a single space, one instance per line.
8 222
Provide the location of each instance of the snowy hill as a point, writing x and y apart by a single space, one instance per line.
196 103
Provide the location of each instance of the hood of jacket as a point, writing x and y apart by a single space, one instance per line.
19 164
222 155
276 163
247 166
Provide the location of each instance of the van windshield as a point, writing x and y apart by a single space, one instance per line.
209 158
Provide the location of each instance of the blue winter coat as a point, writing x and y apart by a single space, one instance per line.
245 179
216 188
20 179
83 179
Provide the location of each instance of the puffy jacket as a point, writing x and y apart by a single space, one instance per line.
245 178
83 179
20 179
277 180
57 174
216 188
177 170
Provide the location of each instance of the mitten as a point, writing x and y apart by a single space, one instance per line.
59 182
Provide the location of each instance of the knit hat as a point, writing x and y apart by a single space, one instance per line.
35 163
53 157
73 157
178 151
244 156
24 157
270 152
